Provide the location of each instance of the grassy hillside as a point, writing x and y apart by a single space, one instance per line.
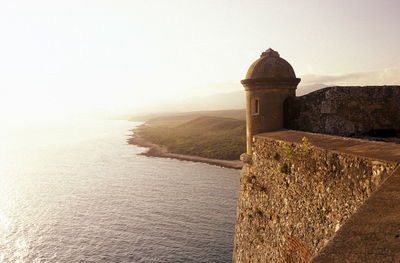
206 136
179 117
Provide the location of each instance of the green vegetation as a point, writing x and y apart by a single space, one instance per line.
207 136
292 151
284 168
180 117
289 151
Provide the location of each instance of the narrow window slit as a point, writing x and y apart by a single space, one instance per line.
256 109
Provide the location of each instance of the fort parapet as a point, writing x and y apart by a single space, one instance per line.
307 194
346 111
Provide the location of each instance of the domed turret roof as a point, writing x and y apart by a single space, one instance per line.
270 65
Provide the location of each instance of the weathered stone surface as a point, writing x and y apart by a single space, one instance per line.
269 81
296 195
270 65
372 234
345 111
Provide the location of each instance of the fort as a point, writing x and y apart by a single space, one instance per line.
321 180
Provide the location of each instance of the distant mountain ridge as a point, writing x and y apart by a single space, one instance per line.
187 116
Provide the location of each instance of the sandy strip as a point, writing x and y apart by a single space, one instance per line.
158 151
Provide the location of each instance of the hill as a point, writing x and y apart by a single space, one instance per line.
176 117
212 123
205 136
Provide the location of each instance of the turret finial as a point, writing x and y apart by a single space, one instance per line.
270 52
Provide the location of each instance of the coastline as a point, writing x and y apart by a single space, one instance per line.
155 150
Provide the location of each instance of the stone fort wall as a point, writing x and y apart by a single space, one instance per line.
297 193
346 111
306 196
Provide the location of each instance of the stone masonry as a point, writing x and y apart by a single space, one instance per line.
301 188
306 196
345 111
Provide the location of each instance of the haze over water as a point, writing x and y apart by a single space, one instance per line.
77 192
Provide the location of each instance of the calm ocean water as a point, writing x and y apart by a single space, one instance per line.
77 192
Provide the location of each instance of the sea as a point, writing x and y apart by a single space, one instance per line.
75 191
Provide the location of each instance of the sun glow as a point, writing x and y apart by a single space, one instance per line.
70 57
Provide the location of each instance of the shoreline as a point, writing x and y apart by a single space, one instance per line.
155 150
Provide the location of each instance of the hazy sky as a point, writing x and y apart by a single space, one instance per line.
83 55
